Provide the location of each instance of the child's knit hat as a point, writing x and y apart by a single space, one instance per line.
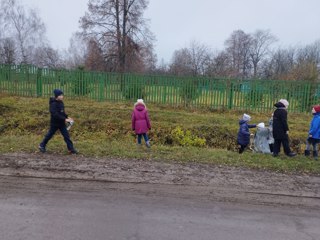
140 101
57 92
246 117
284 102
316 108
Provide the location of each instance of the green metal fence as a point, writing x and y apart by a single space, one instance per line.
215 93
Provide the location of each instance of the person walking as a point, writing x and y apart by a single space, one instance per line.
58 122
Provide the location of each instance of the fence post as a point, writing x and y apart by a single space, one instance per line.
39 83
230 96
101 88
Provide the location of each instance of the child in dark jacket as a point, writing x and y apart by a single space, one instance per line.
244 133
141 122
314 133
58 122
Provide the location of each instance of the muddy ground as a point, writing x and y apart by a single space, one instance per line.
219 183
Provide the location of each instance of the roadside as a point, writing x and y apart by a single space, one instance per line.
103 130
215 182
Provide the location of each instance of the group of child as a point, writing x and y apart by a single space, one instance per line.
266 140
269 139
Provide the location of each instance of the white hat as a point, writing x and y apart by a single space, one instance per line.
284 102
261 125
140 101
246 117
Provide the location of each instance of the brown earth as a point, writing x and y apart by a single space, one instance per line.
219 183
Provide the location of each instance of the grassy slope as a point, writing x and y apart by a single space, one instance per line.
103 129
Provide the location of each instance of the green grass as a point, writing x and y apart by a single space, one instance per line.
104 129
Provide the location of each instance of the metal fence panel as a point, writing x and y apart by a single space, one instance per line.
195 92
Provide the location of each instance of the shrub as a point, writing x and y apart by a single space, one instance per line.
185 138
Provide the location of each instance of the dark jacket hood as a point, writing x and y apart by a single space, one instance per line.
241 121
51 100
279 105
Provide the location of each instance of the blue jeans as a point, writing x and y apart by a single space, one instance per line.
145 136
64 133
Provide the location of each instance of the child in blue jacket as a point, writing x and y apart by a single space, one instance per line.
243 133
314 133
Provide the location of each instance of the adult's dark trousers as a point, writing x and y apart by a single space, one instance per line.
277 146
64 133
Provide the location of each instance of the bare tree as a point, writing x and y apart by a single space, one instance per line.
281 63
307 60
194 60
76 54
7 51
220 65
181 63
260 48
120 29
24 26
94 59
238 49
47 57
162 68
200 57
149 59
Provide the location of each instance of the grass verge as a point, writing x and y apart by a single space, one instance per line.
103 129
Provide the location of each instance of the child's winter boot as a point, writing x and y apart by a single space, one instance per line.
315 155
148 144
307 153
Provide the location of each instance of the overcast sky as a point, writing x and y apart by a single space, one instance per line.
176 23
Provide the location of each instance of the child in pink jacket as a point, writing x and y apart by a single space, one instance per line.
141 122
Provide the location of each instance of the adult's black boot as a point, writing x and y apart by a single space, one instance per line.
292 154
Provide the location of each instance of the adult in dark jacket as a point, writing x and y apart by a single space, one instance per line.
58 122
244 133
281 129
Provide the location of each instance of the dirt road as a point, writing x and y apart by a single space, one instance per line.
218 183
